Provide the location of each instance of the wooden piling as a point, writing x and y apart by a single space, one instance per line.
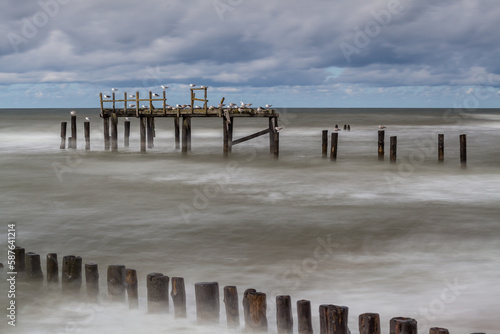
71 275
257 312
246 308
463 150
157 286
105 127
400 325
92 281
381 138
438 330
230 134
63 135
116 283
440 147
177 133
142 128
73 131
86 133
33 270
274 137
369 323
189 134
334 146
207 302
225 137
178 295
232 310
284 317
114 132
52 269
131 284
20 259
333 319
325 315
304 318
394 147
324 144
185 130
126 133
150 131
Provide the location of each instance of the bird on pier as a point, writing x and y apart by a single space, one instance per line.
114 89
278 128
154 94
87 118
127 119
269 105
211 107
203 87
192 85
164 87
381 127
259 109
178 106
73 113
131 105
241 110
106 96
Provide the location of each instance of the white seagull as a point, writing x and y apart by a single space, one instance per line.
106 96
259 108
269 105
192 85
154 94
73 113
278 128
131 105
114 89
127 119
164 87
131 95
381 127
87 118
203 87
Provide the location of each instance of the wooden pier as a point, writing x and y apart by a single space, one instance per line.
112 107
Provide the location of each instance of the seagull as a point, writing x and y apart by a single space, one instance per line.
241 110
269 105
164 87
87 118
154 94
114 89
221 105
278 128
381 127
127 119
211 107
192 85
106 96
144 106
73 113
131 105
203 87
131 95
259 109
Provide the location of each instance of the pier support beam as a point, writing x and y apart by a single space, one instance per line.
274 137
114 132
73 131
186 134
334 146
324 144
440 147
126 134
227 130
105 123
86 132
177 133
142 126
150 126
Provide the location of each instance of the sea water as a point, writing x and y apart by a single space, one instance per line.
417 238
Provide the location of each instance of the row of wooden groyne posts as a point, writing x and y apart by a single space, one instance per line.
122 284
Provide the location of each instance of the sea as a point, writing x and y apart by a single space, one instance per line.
417 238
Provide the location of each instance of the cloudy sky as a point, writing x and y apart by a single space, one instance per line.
289 53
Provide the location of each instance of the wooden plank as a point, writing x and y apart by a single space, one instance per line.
255 135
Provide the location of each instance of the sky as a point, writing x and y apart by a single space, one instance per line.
288 53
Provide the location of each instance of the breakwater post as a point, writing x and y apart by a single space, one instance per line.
86 133
284 317
334 145
324 144
369 323
63 135
207 302
463 150
304 318
401 325
381 138
178 295
92 281
231 302
440 147
126 133
394 147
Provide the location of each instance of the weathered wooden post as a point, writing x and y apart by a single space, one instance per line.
92 281
157 285
333 319
33 267
178 295
207 302
284 318
105 123
86 133
246 308
225 137
335 141
71 275
142 128
150 131
325 315
274 137
438 330
440 147
257 308
73 131
304 318
114 132
116 283
131 283
20 258
369 323
324 144
463 150
177 133
185 134
126 133
381 137
189 134
52 269
394 147
231 302
400 325
63 135
230 134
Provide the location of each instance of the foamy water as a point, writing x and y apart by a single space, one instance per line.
418 238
